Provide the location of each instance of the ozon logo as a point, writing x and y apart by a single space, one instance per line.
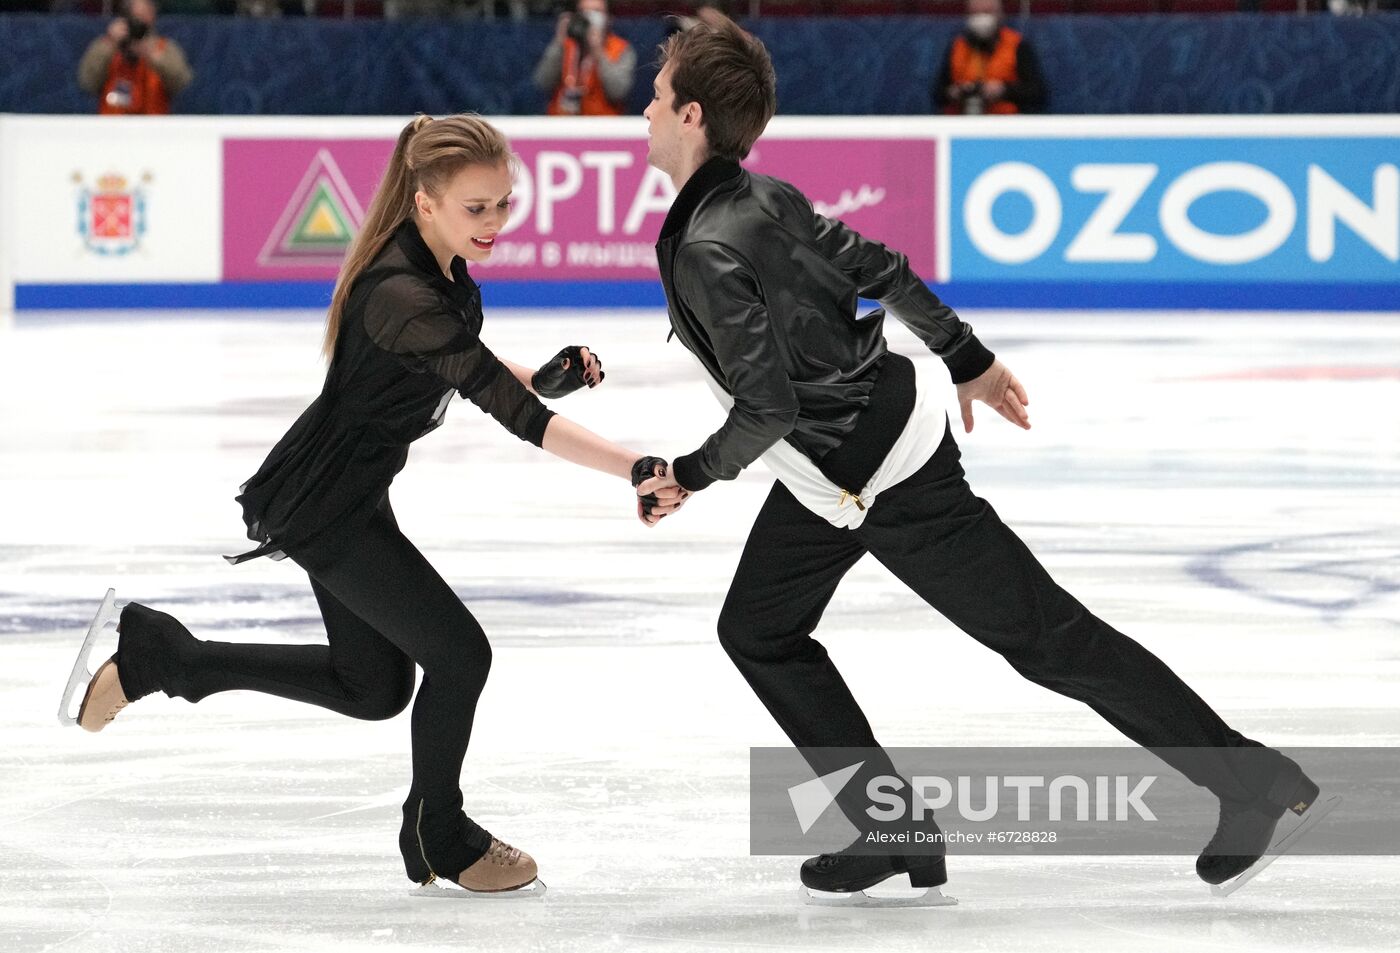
1327 203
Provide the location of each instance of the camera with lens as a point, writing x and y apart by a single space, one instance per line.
580 22
578 28
136 31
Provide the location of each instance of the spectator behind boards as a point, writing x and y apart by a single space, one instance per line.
130 68
587 66
989 68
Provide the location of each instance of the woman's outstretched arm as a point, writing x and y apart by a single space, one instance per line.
578 444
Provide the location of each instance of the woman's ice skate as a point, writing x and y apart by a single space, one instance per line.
437 847
503 873
103 697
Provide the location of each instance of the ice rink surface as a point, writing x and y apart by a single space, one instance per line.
1222 488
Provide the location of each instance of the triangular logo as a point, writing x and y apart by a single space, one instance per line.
323 223
810 799
319 220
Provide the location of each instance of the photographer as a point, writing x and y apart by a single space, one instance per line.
131 69
989 68
588 67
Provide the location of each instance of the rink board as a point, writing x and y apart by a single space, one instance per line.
1287 213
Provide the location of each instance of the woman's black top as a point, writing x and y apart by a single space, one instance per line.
408 339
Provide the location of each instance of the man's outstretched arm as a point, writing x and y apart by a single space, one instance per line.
884 275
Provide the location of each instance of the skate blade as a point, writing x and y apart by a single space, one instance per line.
534 890
931 897
107 614
1311 819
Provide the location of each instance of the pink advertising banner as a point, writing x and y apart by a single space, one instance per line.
584 209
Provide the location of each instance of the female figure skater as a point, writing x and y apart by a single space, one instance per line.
401 337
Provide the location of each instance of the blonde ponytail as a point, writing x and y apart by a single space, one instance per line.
427 155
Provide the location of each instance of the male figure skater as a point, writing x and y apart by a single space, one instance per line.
763 292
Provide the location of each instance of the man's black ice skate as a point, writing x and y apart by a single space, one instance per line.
1246 830
845 876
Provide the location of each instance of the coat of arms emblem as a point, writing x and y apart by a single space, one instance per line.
112 213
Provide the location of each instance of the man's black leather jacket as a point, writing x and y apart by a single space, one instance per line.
764 292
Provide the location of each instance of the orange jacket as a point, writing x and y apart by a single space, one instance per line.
146 89
967 64
594 102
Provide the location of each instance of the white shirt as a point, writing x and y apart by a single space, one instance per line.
916 444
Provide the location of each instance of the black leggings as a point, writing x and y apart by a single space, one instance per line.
385 608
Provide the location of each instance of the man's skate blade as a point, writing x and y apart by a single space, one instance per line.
534 890
931 897
107 614
1285 843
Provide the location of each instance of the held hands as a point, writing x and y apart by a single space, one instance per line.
999 389
567 371
659 495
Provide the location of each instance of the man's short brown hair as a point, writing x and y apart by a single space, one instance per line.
727 71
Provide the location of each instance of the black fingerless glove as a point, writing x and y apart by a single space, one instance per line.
643 470
563 373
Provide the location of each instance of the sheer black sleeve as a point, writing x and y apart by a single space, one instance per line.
409 319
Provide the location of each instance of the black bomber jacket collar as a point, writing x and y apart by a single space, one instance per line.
715 172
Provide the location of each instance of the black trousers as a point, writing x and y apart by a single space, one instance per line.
952 549
385 609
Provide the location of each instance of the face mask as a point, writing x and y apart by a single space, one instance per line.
982 25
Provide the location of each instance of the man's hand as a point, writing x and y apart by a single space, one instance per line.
117 30
999 389
660 495
993 89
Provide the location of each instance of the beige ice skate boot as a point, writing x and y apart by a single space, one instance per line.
103 695
104 698
501 868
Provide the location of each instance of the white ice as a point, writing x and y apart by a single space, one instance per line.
1223 488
